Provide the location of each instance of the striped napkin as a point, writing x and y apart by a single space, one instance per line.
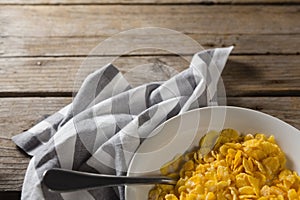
108 120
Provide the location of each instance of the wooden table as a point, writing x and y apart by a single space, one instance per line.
43 42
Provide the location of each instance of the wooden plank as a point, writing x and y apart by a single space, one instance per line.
19 114
243 75
262 75
145 1
24 112
61 31
284 108
105 20
83 45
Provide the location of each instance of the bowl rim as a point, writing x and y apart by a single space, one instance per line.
232 108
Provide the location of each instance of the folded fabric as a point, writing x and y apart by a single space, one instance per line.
108 120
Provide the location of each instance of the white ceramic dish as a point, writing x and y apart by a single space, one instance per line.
183 132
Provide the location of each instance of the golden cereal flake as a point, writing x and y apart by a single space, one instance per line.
237 167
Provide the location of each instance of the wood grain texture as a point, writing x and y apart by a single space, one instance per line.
243 75
83 45
17 115
27 111
62 31
146 1
67 21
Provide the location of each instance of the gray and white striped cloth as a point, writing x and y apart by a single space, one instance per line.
108 120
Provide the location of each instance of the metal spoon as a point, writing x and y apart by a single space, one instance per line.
62 180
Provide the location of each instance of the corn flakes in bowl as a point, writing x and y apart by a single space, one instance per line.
245 155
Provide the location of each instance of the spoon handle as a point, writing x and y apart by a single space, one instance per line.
62 180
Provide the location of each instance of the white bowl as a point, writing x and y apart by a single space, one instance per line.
183 132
